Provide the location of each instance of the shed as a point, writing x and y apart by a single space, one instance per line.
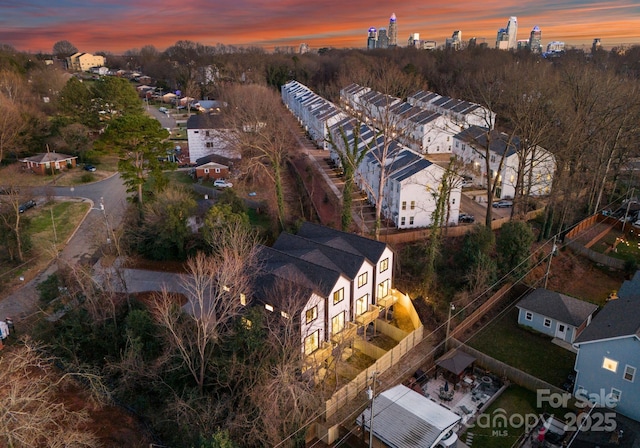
456 363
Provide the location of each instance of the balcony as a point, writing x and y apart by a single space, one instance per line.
318 357
346 335
368 316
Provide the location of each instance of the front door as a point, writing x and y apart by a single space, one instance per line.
561 331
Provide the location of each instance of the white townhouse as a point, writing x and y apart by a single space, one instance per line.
313 112
337 282
461 114
207 135
537 170
412 186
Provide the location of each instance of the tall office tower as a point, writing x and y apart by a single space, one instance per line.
372 38
414 40
455 42
502 39
512 30
535 40
383 38
393 31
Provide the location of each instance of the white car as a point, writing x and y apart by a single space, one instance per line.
221 183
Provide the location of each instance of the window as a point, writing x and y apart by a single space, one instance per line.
410 220
206 171
284 314
337 323
243 299
404 205
453 201
629 373
547 322
493 159
218 170
383 289
528 315
413 205
362 279
402 220
206 133
610 364
311 343
362 304
311 314
338 296
268 307
615 394
384 265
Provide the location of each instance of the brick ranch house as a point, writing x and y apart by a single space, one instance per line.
49 162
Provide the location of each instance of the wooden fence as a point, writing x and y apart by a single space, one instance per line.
571 241
500 296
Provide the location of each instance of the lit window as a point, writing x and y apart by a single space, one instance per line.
413 205
384 265
528 315
337 323
247 323
629 373
338 296
268 307
311 343
225 288
284 314
610 364
362 279
362 304
243 299
312 314
547 322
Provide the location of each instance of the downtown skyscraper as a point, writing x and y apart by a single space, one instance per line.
512 31
393 31
535 40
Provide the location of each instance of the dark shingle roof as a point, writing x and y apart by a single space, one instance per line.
205 121
557 306
344 241
499 142
619 317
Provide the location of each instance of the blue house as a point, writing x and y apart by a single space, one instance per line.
555 314
609 352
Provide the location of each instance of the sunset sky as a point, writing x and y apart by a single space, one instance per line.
119 25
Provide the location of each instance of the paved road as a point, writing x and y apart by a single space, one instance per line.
85 241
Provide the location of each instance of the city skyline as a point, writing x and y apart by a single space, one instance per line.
35 25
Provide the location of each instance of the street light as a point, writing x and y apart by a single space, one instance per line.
106 221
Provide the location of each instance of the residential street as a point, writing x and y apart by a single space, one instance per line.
83 243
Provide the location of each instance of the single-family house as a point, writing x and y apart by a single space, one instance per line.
554 314
211 170
49 162
404 418
207 134
533 174
342 279
609 353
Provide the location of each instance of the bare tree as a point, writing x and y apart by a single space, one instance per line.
213 287
31 410
11 125
257 116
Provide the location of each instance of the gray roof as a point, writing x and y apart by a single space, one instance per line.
404 418
554 305
205 121
500 142
410 170
619 317
456 361
349 242
48 157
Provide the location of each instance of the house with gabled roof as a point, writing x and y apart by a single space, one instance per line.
554 314
609 353
208 134
343 281
49 162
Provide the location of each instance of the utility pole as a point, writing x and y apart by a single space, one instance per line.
371 393
452 307
626 213
554 248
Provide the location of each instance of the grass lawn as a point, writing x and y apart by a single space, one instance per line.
66 216
530 352
180 178
628 247
515 401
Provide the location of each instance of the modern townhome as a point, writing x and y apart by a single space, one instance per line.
411 182
342 281
461 114
609 352
555 314
508 160
314 113
207 135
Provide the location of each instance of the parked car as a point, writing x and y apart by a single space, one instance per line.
26 205
465 217
221 183
89 168
164 110
503 204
